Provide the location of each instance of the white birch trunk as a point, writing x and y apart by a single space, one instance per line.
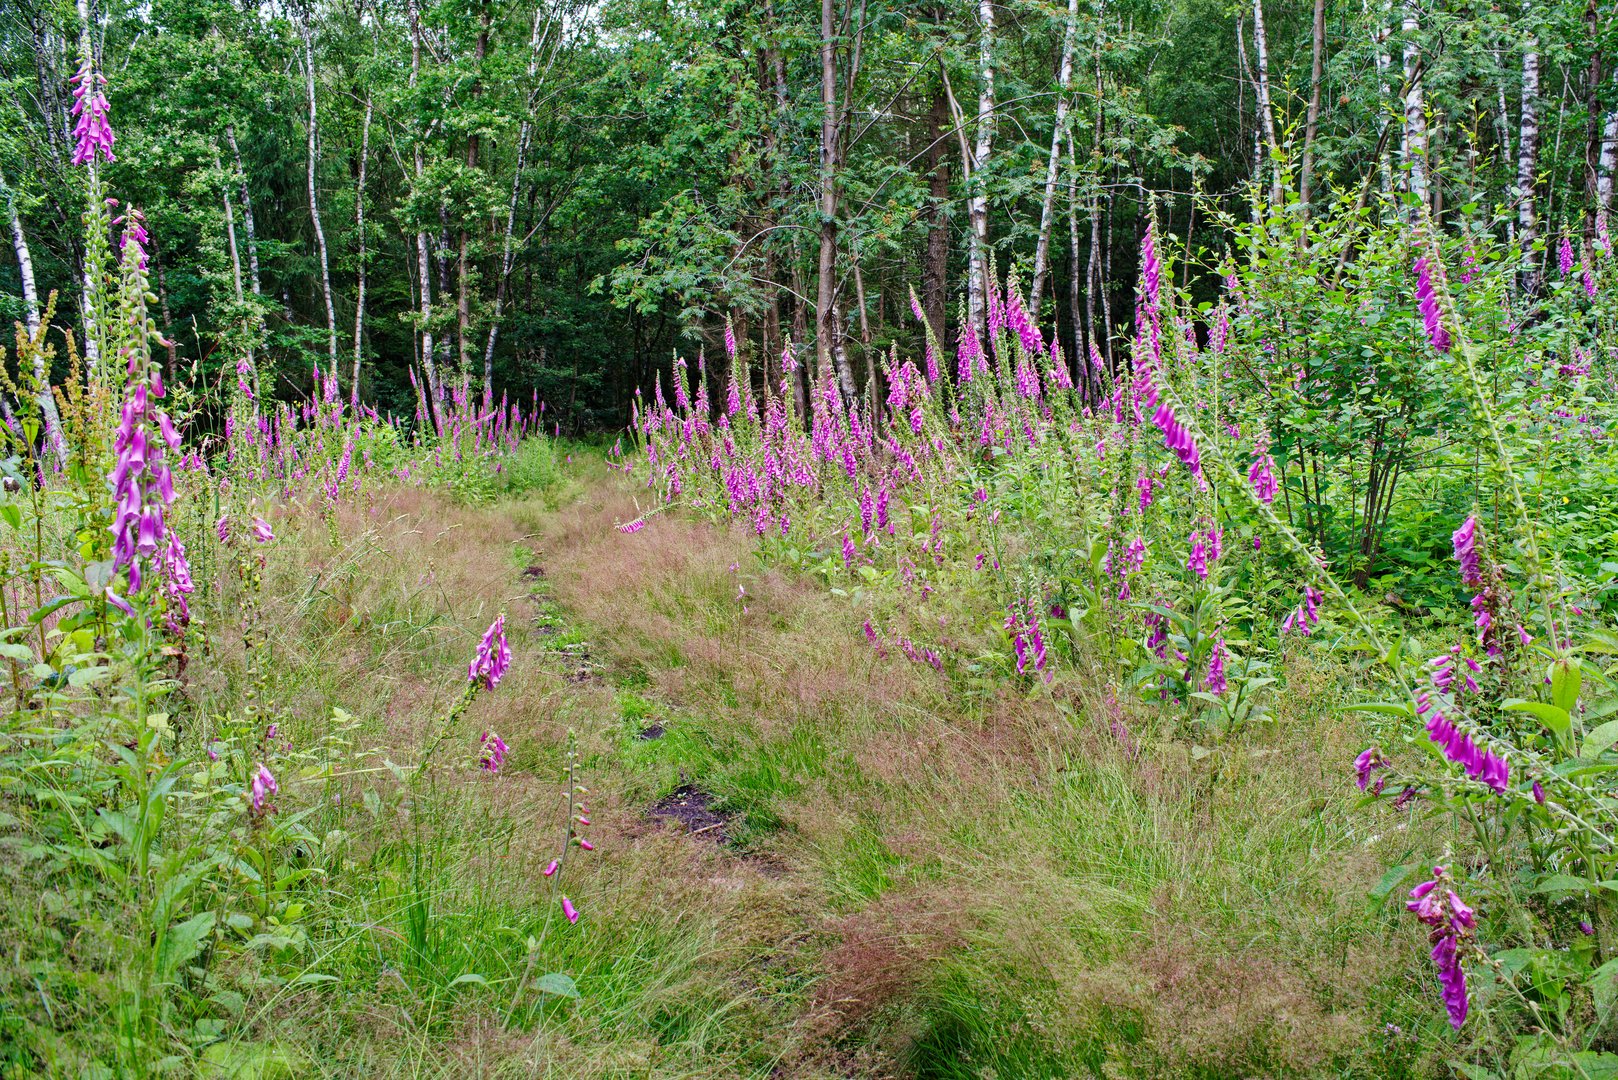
1047 211
429 366
359 230
508 253
1414 139
1266 113
314 204
30 307
1607 163
1528 160
978 286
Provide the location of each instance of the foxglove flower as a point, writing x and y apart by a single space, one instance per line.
1215 682
262 533
492 754
1262 476
92 134
262 788
1369 762
493 656
1451 923
569 910
1466 552
1564 257
1427 301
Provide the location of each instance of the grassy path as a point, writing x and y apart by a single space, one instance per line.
811 860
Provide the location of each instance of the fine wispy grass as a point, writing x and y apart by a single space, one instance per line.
913 878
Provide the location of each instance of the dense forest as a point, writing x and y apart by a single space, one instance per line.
557 197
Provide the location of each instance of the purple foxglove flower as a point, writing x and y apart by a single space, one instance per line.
262 533
263 787
1586 929
492 754
1261 475
1564 257
493 655
1427 300
550 870
1466 551
585 844
1539 793
92 134
1215 683
569 910
1368 762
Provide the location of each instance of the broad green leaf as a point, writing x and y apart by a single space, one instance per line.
1559 883
181 942
1599 739
1390 881
1566 678
557 984
1386 708
1556 719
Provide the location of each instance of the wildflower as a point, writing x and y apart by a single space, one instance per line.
632 526
1585 928
1427 300
493 754
1465 540
92 133
555 865
1369 762
1451 922
263 786
585 844
1177 438
569 910
1564 257
1215 682
1457 745
1539 793
1306 614
223 528
262 532
1197 560
1261 475
493 655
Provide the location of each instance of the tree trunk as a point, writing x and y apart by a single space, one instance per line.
1415 125
1528 160
935 266
508 254
429 365
359 229
1266 114
1607 163
463 282
1047 212
825 320
247 215
30 307
314 205
979 286
1317 70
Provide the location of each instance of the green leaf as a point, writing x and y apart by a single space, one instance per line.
1556 719
471 977
557 984
1472 1072
20 653
1566 678
1390 881
1599 739
309 977
181 942
1558 883
1386 708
